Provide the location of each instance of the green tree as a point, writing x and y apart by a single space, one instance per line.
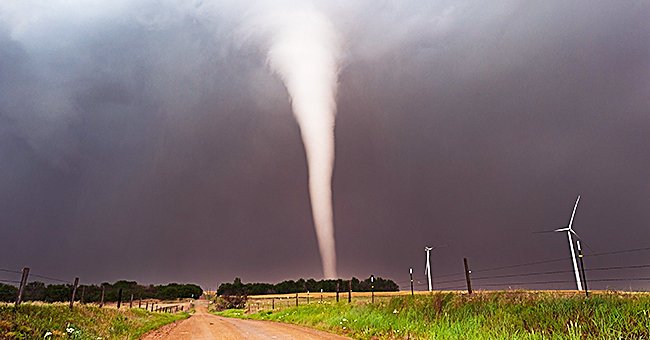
34 291
8 293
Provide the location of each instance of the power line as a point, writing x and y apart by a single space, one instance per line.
10 271
619 252
624 279
622 251
526 283
10 281
620 267
518 275
50 278
518 265
565 281
556 272
448 275
452 288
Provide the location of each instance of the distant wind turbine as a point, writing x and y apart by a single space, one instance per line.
427 269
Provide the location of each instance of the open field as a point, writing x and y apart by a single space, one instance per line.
36 320
484 315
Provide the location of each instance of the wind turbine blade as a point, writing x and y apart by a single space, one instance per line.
580 238
543 232
562 229
574 212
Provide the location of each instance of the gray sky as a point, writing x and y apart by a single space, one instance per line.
151 142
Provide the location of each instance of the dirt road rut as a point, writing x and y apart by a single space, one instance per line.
203 325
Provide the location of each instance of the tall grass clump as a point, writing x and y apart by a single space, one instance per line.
57 321
485 315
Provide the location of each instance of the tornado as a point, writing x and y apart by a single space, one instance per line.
304 52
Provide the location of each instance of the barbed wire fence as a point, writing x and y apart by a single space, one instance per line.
26 274
496 280
481 278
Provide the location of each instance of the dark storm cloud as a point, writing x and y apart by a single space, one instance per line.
150 142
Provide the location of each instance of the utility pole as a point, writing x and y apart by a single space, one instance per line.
582 269
411 275
467 272
74 291
23 283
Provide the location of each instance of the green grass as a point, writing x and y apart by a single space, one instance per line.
493 315
33 321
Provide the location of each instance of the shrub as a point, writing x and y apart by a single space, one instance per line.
230 302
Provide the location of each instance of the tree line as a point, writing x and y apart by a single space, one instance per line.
302 285
39 291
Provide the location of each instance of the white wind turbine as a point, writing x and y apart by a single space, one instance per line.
569 231
427 269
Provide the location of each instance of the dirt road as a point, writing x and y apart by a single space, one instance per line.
203 325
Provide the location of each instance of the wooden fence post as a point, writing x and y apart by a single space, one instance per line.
119 298
74 291
23 282
372 288
467 272
337 291
101 302
411 276
350 291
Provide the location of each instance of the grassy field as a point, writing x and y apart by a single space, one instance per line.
485 315
37 320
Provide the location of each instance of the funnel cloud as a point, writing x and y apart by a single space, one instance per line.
304 53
